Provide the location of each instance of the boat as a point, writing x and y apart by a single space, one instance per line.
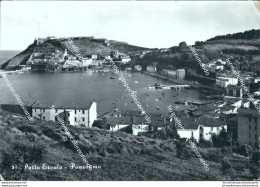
179 102
112 77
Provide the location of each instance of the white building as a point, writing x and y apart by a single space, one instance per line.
128 123
225 81
201 128
86 62
138 67
94 57
125 59
151 69
72 63
85 114
180 73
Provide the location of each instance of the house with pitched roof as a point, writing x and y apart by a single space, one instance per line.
72 114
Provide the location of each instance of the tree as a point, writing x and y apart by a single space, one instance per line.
223 139
255 157
254 171
102 124
182 151
182 44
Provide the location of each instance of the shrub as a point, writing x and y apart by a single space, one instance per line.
226 151
27 129
254 171
18 155
205 143
226 166
183 152
53 135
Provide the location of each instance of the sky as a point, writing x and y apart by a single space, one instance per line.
145 24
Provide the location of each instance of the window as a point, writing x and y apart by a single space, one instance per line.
256 137
255 128
43 110
83 119
69 122
75 111
249 135
249 127
75 119
63 118
68 114
255 120
249 119
249 143
56 110
43 117
83 111
79 110
34 110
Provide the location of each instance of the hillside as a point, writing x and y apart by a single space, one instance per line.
86 46
121 156
246 44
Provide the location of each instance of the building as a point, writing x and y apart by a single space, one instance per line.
86 62
234 91
169 73
151 69
248 127
200 128
94 57
125 59
190 130
83 114
210 126
180 73
72 64
129 124
138 67
225 81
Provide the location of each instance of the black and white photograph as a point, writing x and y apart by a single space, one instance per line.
130 91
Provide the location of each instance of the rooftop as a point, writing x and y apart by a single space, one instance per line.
63 105
248 112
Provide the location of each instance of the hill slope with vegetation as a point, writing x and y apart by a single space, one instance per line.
86 46
121 156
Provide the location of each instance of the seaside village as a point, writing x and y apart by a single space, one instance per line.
229 108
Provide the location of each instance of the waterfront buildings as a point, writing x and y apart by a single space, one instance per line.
84 114
169 73
225 81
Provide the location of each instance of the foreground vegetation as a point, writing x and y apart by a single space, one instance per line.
121 156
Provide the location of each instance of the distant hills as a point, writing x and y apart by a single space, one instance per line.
242 43
247 35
